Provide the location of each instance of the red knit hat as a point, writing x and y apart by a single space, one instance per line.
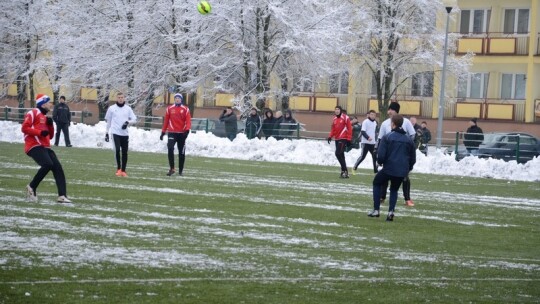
42 99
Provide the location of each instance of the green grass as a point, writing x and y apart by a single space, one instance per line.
233 231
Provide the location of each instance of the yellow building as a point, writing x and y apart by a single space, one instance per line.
501 85
504 77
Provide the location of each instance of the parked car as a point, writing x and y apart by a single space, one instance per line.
214 126
503 146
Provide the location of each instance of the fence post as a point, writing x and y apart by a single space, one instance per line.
517 148
297 130
206 127
457 144
6 113
82 117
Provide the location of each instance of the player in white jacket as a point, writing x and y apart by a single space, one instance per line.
119 117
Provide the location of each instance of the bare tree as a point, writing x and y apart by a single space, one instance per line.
399 38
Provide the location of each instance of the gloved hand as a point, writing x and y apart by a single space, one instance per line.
69 123
161 136
44 133
349 144
49 121
107 137
329 139
187 133
124 126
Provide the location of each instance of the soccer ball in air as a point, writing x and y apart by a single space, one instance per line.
204 7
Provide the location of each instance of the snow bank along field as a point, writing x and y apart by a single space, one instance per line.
262 222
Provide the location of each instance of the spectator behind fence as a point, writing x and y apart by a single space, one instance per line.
277 125
473 137
418 130
229 119
268 123
287 125
425 138
253 124
62 117
356 128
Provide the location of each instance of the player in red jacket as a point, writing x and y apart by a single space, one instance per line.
176 125
342 133
38 130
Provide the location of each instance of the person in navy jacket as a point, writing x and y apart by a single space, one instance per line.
397 154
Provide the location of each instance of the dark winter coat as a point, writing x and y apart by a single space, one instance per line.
418 135
474 137
61 113
253 126
268 123
396 153
426 136
230 123
288 125
277 127
355 140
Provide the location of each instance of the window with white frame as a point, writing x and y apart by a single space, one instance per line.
422 84
513 86
516 21
474 21
339 83
473 86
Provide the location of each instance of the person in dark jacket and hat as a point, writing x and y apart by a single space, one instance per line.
473 137
229 119
268 123
397 154
253 124
62 117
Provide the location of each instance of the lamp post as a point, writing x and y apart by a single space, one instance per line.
443 81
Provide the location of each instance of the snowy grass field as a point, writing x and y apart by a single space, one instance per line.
235 231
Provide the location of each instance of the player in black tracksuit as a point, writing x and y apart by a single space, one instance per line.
62 118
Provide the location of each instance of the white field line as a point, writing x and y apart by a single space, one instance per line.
271 279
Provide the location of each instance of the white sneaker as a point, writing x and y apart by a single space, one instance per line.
374 213
63 199
31 194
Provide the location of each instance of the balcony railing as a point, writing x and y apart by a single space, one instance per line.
494 43
490 108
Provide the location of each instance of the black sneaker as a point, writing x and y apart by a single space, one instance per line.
171 172
69 146
390 217
344 174
180 173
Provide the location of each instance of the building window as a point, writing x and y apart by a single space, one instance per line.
474 21
516 21
339 83
513 86
473 86
422 84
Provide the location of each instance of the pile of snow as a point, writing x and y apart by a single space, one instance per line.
301 151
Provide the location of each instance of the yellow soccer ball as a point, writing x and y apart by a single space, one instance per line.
204 7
